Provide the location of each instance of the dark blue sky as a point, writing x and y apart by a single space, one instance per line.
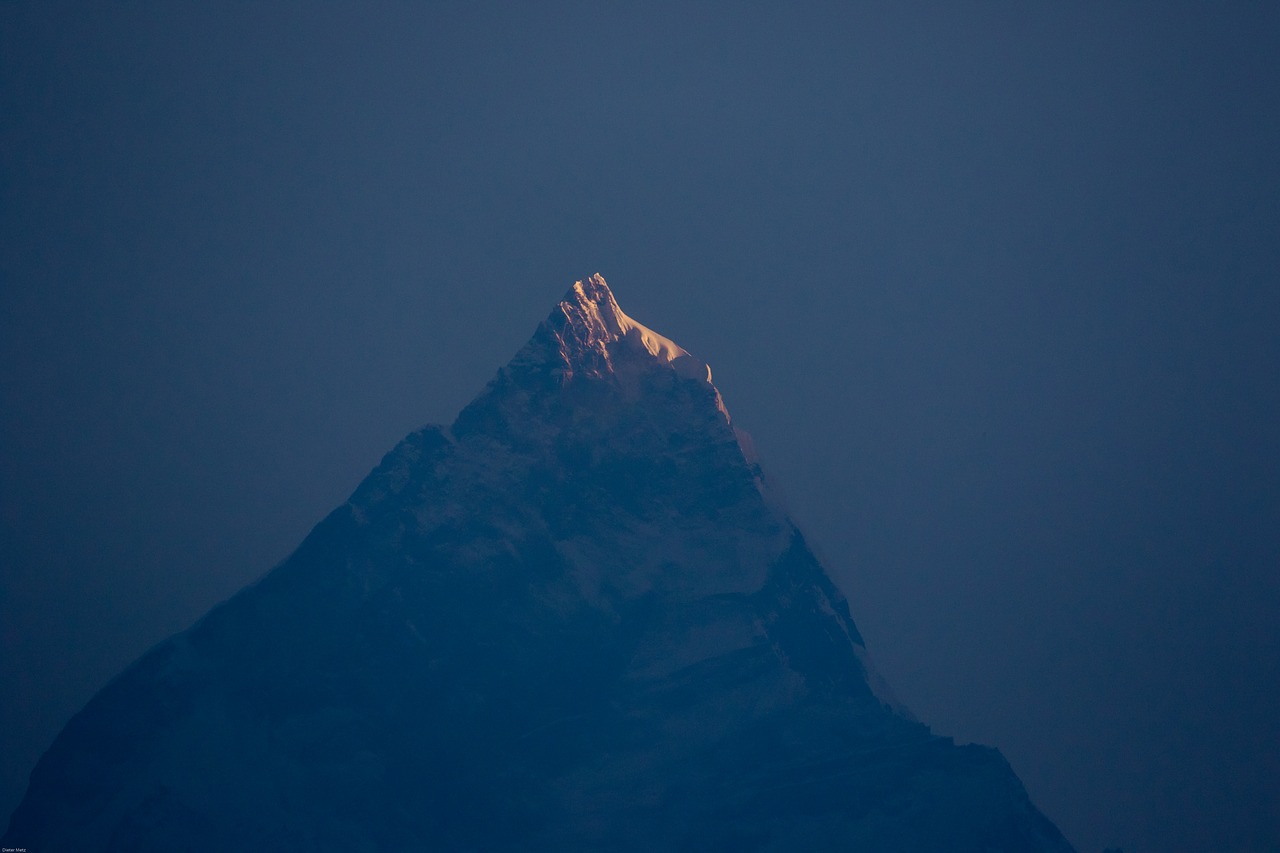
994 286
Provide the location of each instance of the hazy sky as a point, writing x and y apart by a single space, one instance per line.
995 287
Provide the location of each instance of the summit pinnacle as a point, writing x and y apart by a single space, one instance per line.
587 331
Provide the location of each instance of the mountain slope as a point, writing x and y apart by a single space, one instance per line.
572 620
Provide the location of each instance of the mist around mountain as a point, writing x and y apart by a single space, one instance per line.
576 618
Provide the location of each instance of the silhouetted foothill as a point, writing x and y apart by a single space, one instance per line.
575 619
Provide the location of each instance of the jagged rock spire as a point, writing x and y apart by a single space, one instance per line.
588 332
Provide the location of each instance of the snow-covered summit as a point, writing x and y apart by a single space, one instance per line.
591 305
588 322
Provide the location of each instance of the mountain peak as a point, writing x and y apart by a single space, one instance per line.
588 332
572 621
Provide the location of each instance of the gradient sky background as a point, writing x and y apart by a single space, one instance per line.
994 286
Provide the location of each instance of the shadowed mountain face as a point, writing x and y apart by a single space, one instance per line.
575 619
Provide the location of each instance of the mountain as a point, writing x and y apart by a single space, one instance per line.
574 619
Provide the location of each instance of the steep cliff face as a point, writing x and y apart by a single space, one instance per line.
574 619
